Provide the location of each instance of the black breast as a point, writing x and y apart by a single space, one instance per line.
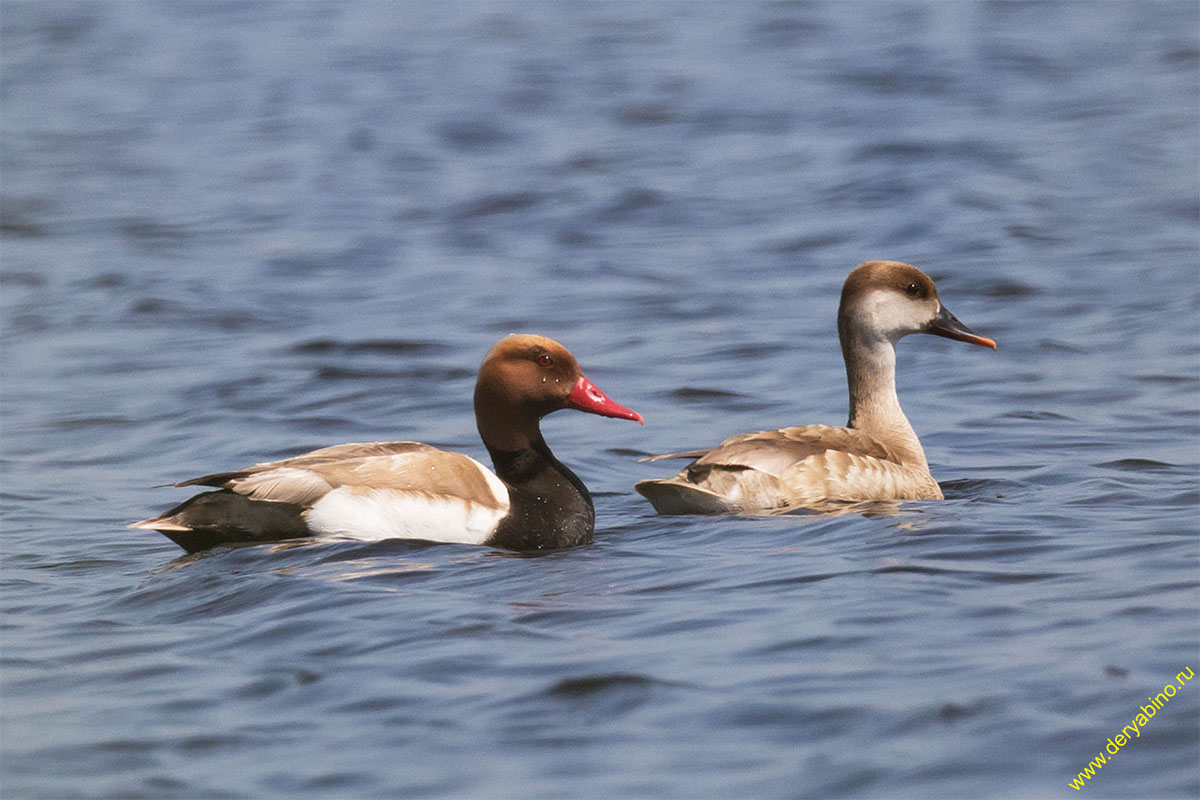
549 507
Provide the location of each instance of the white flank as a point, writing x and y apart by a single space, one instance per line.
494 483
375 514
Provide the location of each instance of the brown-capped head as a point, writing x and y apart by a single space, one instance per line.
885 300
523 378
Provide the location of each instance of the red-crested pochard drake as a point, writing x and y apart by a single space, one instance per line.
877 456
408 490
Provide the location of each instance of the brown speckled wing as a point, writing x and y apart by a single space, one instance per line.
777 451
798 467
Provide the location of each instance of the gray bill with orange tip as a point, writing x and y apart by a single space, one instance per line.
946 324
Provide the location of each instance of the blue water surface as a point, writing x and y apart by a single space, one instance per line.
231 232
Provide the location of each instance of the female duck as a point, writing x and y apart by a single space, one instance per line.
877 456
408 490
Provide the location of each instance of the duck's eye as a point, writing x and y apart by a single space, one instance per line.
912 290
545 359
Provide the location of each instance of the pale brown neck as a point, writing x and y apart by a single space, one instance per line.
874 405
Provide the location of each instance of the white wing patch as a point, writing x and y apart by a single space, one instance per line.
355 512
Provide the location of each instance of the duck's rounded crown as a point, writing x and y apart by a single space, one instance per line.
891 299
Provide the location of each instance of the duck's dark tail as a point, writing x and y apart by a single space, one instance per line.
224 517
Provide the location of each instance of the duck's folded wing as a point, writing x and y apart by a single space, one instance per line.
369 491
776 451
436 495
325 455
432 472
365 466
668 456
773 469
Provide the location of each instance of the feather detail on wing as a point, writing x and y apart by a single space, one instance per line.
325 455
787 468
667 456
392 466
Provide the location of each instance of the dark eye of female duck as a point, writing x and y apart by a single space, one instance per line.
545 359
912 290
